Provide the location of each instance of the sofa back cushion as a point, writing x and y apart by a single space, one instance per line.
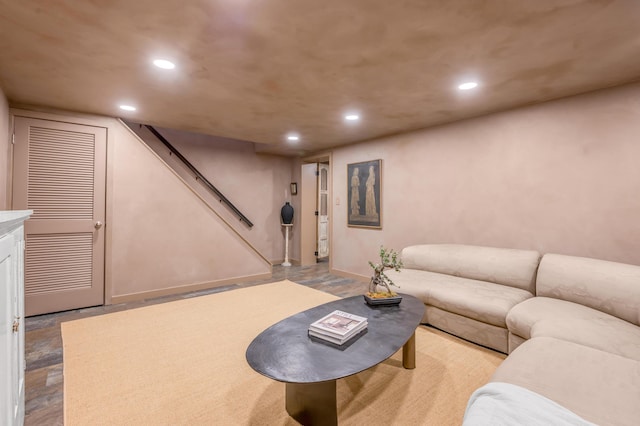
511 267
610 287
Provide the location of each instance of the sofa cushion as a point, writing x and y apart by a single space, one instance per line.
607 334
609 287
479 300
598 386
509 267
548 317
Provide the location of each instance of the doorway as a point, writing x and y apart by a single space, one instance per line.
323 212
59 172
316 210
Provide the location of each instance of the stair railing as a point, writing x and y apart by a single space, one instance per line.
201 177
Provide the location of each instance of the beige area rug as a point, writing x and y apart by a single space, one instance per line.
183 363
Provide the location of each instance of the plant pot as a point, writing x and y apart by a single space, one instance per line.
383 301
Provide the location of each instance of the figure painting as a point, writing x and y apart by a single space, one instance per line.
364 189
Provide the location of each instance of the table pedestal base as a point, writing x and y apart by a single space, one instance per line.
312 403
315 403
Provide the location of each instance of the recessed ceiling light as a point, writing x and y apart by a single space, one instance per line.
293 138
127 107
164 64
352 117
468 85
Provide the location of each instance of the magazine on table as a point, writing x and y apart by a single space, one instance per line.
338 326
335 339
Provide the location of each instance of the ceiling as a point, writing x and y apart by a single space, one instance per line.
258 70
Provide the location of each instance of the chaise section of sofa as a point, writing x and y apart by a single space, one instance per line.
468 290
591 302
601 387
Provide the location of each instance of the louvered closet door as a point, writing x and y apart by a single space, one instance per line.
59 173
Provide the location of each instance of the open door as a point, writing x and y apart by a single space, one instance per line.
315 207
307 217
323 211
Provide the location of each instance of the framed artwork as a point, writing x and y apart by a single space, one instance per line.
364 181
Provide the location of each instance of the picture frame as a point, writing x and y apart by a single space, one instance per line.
294 188
364 199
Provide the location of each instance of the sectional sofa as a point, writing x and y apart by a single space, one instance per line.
570 325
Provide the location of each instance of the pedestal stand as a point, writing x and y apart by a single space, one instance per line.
286 243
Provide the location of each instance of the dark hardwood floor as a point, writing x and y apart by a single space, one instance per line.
43 341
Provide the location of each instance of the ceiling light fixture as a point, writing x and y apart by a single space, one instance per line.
293 138
468 85
127 107
164 64
352 117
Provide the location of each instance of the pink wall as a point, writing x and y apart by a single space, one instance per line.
558 177
5 169
257 184
296 202
561 177
162 235
161 238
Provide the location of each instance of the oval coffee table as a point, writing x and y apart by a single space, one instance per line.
310 366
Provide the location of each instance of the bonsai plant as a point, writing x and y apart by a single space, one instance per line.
388 259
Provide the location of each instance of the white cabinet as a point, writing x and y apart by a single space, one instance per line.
12 362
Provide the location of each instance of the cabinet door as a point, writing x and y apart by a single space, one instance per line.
10 370
17 338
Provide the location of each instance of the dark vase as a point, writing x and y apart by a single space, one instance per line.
286 213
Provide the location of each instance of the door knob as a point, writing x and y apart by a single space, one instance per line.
98 225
